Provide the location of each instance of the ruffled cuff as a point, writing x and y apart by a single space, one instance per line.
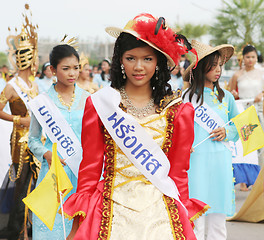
195 208
76 205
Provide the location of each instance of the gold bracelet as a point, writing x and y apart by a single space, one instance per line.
16 120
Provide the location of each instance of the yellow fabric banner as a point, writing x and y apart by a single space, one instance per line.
249 130
44 200
253 207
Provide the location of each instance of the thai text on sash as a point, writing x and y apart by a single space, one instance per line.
206 117
24 96
134 141
58 130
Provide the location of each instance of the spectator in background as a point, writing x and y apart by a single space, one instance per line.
103 79
45 80
176 81
85 81
248 84
184 63
5 72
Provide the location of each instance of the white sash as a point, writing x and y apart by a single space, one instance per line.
134 141
58 130
206 117
25 98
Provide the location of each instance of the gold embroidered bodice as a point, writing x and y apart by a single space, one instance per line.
130 185
18 107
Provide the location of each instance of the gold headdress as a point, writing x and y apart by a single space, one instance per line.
83 61
24 45
71 42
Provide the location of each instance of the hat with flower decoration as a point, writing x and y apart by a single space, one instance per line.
155 32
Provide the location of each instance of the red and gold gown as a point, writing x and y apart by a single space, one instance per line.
125 205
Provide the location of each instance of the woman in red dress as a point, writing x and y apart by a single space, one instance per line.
130 203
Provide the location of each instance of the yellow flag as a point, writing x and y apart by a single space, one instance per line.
249 130
44 200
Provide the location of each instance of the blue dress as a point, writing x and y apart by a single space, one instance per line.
100 82
210 173
44 84
74 118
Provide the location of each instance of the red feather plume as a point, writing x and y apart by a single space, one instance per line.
165 39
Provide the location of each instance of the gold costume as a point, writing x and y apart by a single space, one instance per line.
23 169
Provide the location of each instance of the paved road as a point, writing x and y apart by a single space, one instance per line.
235 230
244 230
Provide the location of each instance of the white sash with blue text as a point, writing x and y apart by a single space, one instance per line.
134 141
206 117
58 130
24 97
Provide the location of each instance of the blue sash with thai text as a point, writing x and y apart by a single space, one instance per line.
58 130
134 141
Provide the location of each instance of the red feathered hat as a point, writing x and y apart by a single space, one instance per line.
156 34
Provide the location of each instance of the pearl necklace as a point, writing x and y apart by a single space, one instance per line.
136 112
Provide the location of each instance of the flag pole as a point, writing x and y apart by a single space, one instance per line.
62 215
209 136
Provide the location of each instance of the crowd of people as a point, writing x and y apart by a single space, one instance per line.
143 173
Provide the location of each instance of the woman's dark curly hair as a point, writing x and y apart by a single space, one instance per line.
126 42
197 84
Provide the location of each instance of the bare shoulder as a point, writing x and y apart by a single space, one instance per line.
237 74
9 92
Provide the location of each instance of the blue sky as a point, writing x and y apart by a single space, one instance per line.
87 19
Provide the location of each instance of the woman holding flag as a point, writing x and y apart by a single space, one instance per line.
59 113
210 174
142 133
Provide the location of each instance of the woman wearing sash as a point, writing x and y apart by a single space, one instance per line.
70 101
210 174
248 84
126 204
85 81
18 92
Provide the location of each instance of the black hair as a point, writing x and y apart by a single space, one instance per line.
61 51
249 48
44 67
126 42
103 73
260 57
198 76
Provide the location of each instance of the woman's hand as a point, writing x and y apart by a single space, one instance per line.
218 134
75 226
48 156
25 121
258 98
235 94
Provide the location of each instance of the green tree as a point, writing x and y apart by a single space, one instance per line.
192 31
239 22
3 59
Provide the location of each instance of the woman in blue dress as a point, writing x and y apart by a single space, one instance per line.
70 100
210 174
